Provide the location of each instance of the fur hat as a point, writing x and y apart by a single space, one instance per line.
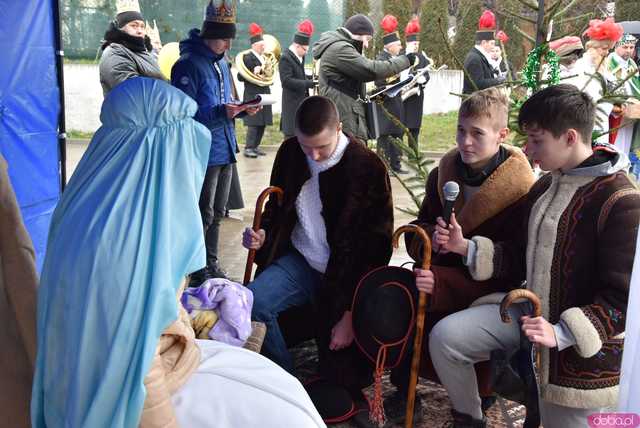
566 45
127 11
219 20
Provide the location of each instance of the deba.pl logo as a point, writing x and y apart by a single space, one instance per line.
614 420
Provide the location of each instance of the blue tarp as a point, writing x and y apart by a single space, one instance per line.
29 108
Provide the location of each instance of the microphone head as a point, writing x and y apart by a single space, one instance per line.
451 189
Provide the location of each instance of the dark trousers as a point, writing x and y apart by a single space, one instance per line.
415 132
254 136
213 200
390 151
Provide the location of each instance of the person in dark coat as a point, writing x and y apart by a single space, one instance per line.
389 131
414 104
295 83
126 51
255 63
334 225
479 71
203 74
344 70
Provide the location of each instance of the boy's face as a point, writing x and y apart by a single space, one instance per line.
549 152
479 139
321 146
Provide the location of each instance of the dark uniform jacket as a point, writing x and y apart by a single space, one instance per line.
414 106
480 71
392 105
264 117
295 88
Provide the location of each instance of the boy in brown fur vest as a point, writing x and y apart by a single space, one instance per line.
492 177
575 249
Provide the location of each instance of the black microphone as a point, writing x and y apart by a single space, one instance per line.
450 191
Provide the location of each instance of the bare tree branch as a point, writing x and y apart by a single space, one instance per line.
508 13
524 34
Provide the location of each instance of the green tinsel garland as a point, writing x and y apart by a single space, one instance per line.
533 67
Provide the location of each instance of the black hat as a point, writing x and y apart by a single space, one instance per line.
384 311
303 35
333 402
126 17
219 21
359 25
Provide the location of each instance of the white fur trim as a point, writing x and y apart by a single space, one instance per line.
581 398
482 267
588 341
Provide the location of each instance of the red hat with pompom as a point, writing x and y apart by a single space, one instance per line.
303 35
486 26
389 25
255 33
412 30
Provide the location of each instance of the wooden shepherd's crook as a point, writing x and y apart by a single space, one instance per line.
422 306
257 219
518 294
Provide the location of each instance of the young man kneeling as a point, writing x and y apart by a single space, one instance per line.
334 225
575 250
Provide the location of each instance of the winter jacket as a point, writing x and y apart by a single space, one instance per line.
480 71
265 116
125 56
205 77
343 73
295 88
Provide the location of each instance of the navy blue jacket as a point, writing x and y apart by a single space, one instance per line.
194 73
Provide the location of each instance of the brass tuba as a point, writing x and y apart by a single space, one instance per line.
272 52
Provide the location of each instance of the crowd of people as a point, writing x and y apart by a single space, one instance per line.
120 342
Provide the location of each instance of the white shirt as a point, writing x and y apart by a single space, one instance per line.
309 235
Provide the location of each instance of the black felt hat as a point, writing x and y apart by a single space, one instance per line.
384 314
333 402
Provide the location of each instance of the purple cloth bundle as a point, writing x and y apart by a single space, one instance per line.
231 301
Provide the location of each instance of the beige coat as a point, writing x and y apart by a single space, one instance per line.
18 283
177 356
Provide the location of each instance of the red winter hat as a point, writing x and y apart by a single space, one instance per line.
412 30
255 33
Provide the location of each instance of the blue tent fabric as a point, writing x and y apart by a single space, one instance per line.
29 108
126 232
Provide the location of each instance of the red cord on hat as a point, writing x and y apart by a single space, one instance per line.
376 413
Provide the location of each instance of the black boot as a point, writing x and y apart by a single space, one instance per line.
462 420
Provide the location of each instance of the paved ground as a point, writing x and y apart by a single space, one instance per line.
254 176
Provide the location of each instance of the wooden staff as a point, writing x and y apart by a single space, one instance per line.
422 306
257 219
518 294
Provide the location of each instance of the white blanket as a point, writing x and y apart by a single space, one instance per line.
234 387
